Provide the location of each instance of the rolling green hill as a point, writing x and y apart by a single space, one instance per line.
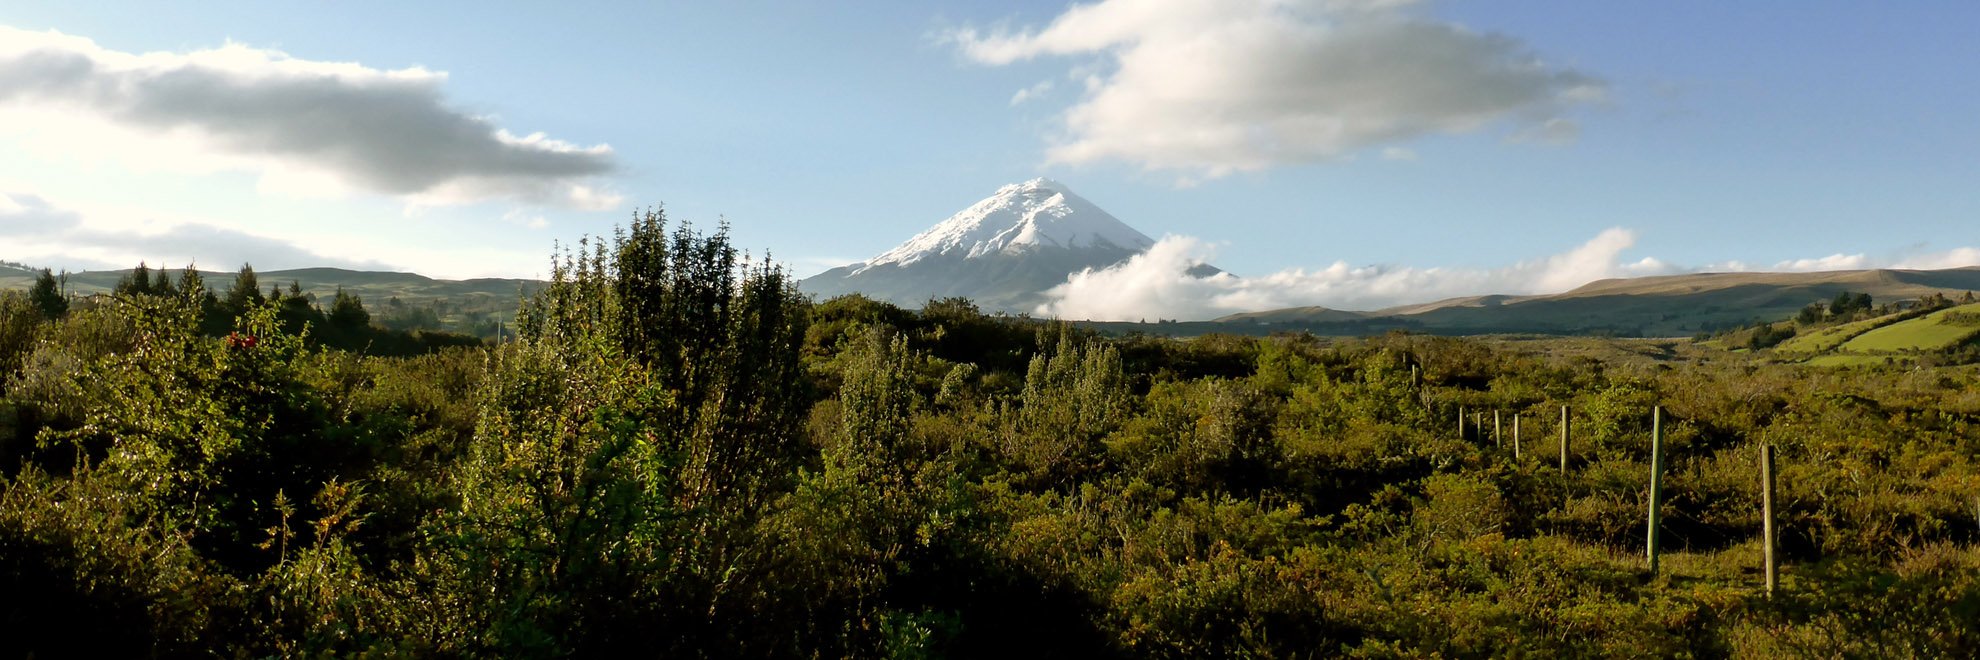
1826 339
1903 338
1934 331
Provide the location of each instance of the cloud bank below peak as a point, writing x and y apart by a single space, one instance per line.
307 127
1156 285
1211 87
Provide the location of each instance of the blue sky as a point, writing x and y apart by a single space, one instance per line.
1714 135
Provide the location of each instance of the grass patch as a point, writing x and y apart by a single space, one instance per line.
1927 333
1827 339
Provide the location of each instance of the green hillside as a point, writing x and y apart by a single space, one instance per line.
1945 336
1938 330
1827 339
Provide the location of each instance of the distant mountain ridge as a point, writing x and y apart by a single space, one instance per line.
1667 305
1002 252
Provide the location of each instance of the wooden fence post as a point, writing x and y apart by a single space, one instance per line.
1767 531
1460 423
1515 436
1498 439
1564 438
1656 478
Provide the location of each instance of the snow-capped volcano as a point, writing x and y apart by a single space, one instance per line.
1002 252
1037 213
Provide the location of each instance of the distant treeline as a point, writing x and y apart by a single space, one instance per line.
344 324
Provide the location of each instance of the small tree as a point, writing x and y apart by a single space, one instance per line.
138 283
347 312
649 413
296 310
245 294
47 296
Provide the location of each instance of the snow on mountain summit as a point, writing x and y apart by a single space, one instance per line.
1020 216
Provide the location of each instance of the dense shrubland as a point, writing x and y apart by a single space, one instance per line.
680 455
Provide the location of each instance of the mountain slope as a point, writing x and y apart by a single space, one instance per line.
1002 252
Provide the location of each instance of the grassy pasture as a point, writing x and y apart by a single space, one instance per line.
1827 339
1925 333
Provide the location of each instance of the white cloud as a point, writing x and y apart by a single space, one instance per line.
1955 258
42 233
307 128
1910 259
807 266
523 218
1836 261
1211 87
1031 92
1154 284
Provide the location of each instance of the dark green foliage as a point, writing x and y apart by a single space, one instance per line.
679 455
347 313
1848 304
1767 335
407 318
47 296
630 446
1072 398
138 283
19 321
245 294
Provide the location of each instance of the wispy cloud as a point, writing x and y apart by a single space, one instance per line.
1031 92
1954 258
305 127
37 232
1210 87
